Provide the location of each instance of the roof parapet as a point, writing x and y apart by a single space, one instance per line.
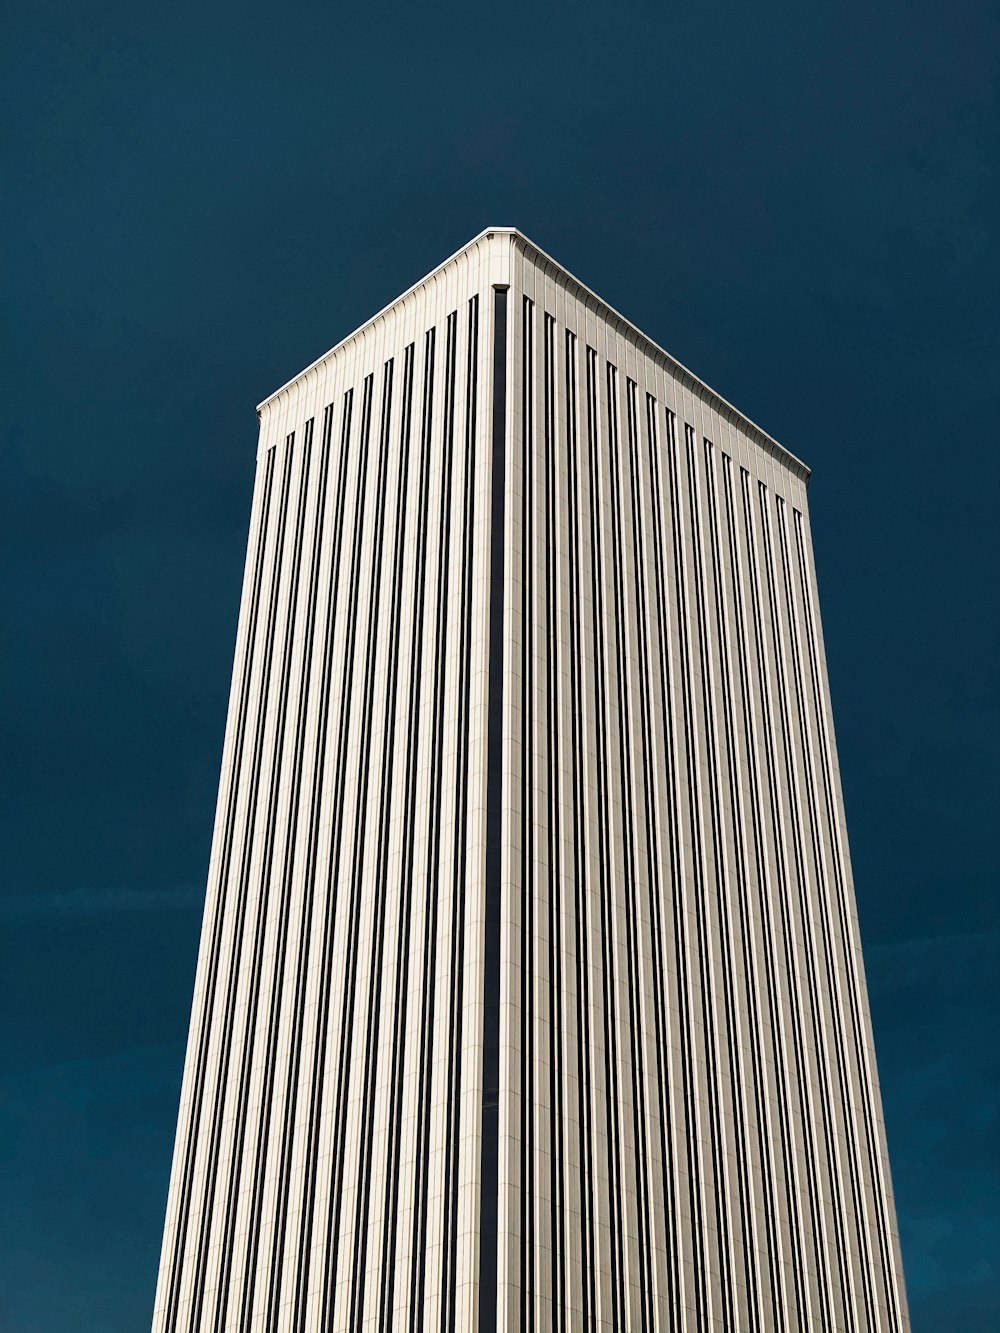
608 312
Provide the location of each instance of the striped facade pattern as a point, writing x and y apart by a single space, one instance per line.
530 993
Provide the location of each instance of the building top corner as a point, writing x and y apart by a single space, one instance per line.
499 275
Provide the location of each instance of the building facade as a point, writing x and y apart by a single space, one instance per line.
529 994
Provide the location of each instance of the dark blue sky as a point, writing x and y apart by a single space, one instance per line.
796 201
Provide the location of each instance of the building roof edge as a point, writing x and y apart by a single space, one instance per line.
480 236
529 246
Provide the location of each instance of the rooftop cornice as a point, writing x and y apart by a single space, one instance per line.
689 379
606 311
485 234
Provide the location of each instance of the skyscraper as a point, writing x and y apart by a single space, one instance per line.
529 994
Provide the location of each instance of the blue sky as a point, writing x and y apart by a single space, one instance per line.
796 201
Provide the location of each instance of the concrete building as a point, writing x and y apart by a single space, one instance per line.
529 995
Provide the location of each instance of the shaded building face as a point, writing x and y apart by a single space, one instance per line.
529 993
